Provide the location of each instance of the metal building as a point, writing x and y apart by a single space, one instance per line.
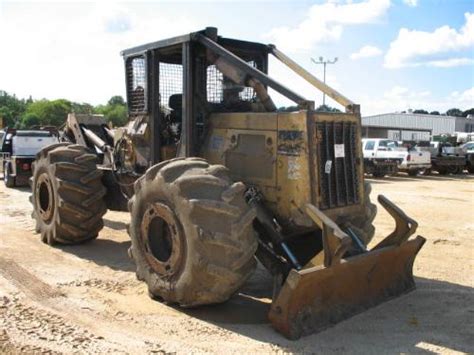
413 126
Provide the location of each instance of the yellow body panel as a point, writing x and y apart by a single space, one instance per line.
272 151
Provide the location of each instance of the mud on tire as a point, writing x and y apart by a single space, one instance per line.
191 231
362 224
67 194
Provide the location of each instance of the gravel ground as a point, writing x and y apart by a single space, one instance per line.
86 298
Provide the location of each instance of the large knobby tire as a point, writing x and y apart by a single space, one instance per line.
362 223
192 237
67 194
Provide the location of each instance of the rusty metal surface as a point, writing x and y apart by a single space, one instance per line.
171 264
404 225
330 289
316 298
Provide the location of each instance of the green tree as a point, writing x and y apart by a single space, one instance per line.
326 108
52 113
81 107
115 111
454 112
11 109
116 100
435 113
30 120
419 111
288 109
117 115
468 112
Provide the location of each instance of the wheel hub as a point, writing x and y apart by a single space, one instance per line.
44 197
162 239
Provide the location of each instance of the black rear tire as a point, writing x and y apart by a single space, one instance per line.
67 194
8 179
413 172
442 170
192 237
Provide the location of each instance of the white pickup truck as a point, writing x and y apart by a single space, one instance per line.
381 155
415 161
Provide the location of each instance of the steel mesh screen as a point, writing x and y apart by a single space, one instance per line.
216 82
136 79
214 85
171 83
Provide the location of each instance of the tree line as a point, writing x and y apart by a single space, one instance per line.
27 113
451 112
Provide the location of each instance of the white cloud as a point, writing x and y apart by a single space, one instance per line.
326 22
463 99
415 48
73 50
412 3
366 52
452 62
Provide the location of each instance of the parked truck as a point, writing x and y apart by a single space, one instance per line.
381 156
445 157
18 151
468 149
415 161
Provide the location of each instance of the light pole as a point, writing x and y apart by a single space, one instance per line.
324 62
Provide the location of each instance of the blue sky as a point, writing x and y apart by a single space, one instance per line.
392 55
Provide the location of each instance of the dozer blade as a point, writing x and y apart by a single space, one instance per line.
318 297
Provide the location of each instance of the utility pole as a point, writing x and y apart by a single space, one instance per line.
324 62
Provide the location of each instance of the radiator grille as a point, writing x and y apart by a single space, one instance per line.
337 175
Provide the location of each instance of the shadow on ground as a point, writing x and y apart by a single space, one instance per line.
401 325
406 178
115 225
103 252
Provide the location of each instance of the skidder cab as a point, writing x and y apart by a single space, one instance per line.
215 176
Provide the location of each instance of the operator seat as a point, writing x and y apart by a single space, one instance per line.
175 102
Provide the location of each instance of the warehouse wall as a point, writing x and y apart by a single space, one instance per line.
406 121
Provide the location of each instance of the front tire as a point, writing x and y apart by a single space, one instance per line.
67 194
192 237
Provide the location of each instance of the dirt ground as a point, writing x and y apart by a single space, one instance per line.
86 298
